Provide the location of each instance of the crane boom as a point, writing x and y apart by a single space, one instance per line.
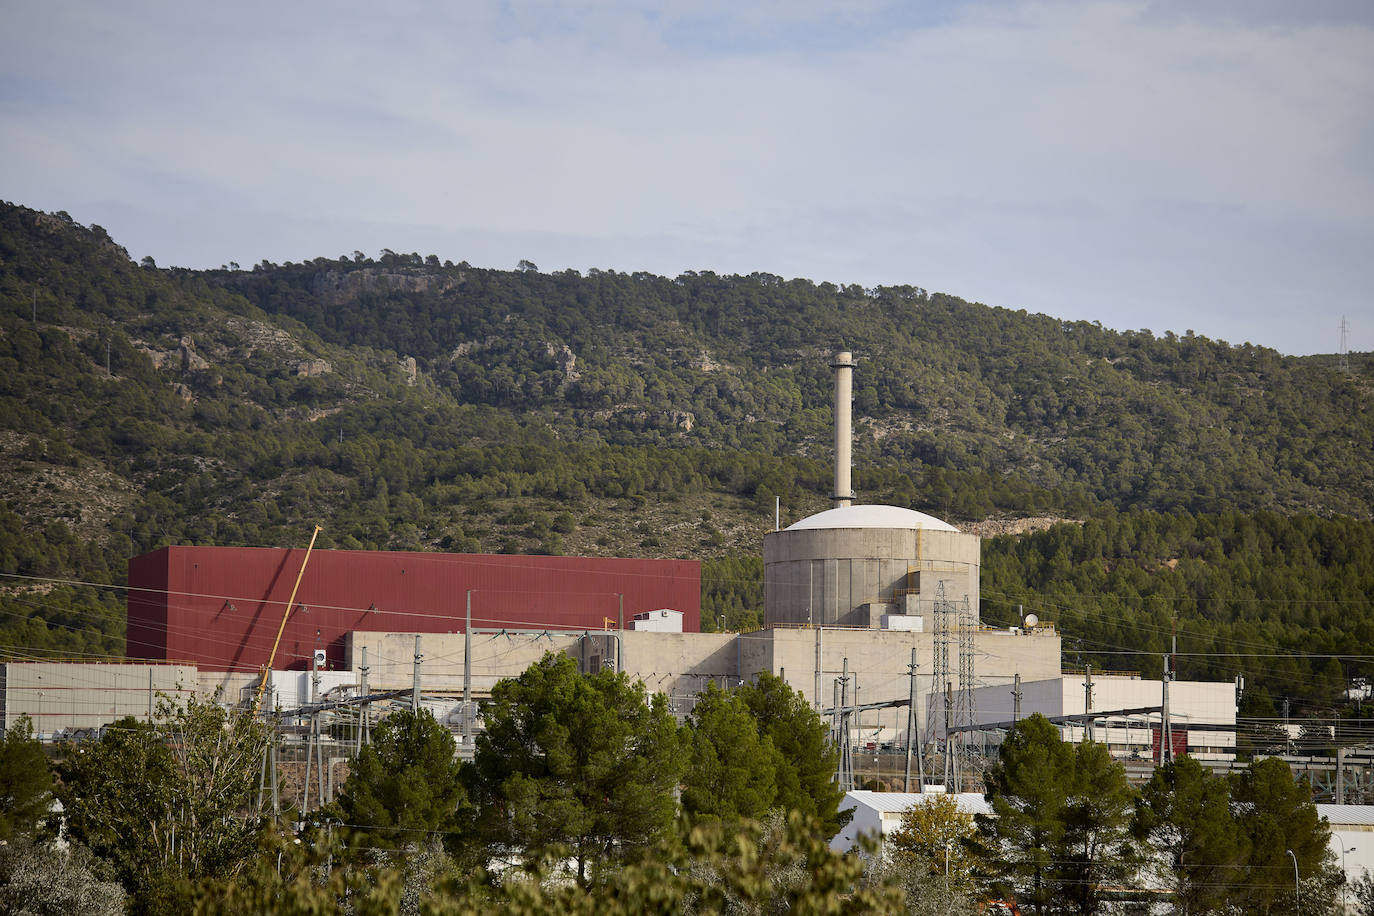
267 668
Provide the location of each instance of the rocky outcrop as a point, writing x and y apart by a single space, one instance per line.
190 359
991 527
310 368
342 286
565 361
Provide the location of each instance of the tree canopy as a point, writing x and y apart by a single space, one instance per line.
579 764
167 803
807 758
406 402
732 770
403 788
1185 813
26 786
1061 819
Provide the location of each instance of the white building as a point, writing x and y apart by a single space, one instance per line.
1352 837
878 814
663 620
1125 712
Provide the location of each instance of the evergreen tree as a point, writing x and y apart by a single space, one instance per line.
26 786
1098 850
1061 821
807 758
1185 815
1276 815
404 788
731 769
582 765
1028 789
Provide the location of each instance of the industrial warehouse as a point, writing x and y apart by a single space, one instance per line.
870 612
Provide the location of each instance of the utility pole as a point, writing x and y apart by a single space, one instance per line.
835 720
818 667
911 736
846 779
1166 731
415 678
1016 697
1340 777
317 696
1088 702
1344 361
272 764
467 675
314 734
950 773
364 707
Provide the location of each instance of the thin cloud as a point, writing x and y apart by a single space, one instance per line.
1158 165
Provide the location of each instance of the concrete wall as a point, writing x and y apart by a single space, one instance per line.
391 657
823 576
59 696
677 665
878 660
680 665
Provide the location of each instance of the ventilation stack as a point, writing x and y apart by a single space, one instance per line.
844 427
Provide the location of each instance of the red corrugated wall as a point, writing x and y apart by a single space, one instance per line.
220 607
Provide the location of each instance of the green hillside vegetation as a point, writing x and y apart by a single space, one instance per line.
407 403
1232 587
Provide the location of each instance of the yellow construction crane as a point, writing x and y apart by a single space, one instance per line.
290 602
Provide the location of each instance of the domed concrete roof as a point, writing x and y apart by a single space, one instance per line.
872 517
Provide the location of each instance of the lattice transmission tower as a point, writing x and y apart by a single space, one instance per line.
965 715
1344 361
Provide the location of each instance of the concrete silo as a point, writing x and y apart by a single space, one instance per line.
865 566
856 565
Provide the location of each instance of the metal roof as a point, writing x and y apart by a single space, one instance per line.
1348 815
875 516
897 802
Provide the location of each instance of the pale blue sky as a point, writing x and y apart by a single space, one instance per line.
1167 165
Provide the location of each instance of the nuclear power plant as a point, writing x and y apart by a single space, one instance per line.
870 611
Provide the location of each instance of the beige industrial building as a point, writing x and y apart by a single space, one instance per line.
62 699
680 665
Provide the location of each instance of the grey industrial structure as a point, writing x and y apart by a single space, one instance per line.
854 565
867 609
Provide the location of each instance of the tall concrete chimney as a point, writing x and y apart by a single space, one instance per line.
844 432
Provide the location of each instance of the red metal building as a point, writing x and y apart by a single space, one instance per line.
220 607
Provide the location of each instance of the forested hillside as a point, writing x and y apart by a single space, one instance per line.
405 402
1130 419
1231 588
